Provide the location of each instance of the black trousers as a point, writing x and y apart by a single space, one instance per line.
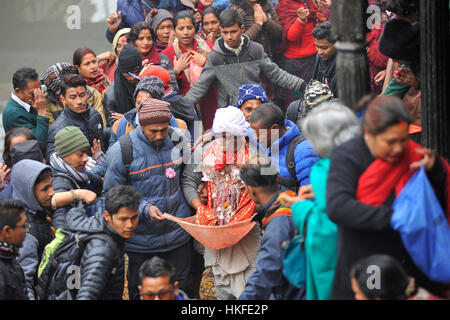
180 258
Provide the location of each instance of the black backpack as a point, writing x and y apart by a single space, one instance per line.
126 147
292 182
60 262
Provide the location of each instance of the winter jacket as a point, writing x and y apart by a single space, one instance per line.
229 72
269 34
15 115
148 176
12 279
310 218
94 99
62 182
24 176
109 101
102 265
364 230
268 280
304 155
90 123
131 14
325 72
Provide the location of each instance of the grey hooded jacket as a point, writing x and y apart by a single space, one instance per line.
23 177
230 71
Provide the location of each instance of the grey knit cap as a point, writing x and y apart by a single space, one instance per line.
152 85
156 17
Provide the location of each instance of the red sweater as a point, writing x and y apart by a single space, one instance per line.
300 41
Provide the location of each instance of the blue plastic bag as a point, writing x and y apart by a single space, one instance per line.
421 222
294 262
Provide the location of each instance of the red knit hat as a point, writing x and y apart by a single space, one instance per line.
158 72
153 111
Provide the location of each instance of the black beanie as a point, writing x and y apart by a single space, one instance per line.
26 150
129 59
400 40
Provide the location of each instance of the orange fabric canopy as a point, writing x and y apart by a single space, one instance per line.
214 237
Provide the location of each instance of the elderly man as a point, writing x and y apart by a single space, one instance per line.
227 200
154 170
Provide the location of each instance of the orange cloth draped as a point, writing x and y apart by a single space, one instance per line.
206 215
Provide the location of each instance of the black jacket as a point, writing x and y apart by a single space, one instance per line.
62 182
325 72
110 106
364 230
102 264
90 123
12 279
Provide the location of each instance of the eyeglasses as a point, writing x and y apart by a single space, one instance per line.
162 295
26 227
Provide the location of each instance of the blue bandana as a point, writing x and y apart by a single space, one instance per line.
250 91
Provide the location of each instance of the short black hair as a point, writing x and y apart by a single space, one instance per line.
229 18
133 35
10 211
393 280
268 114
47 172
21 77
122 196
323 31
71 81
157 267
253 176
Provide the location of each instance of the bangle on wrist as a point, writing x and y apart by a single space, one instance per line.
74 196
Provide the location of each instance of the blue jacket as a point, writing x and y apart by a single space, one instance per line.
304 155
147 175
268 280
132 12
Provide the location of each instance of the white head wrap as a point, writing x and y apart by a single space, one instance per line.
230 120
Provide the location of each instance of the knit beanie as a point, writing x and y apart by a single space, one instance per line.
129 59
153 111
156 17
250 91
317 92
69 140
152 85
51 77
157 71
400 40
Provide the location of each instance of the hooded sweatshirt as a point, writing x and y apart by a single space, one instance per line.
23 178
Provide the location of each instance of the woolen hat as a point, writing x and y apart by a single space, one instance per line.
157 71
400 40
317 92
152 85
153 111
156 17
129 59
250 91
69 140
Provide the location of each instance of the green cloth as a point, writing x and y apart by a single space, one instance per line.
396 88
15 116
321 235
69 140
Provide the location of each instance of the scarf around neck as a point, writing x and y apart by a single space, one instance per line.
64 167
9 248
100 82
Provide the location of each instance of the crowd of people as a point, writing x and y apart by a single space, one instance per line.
228 112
